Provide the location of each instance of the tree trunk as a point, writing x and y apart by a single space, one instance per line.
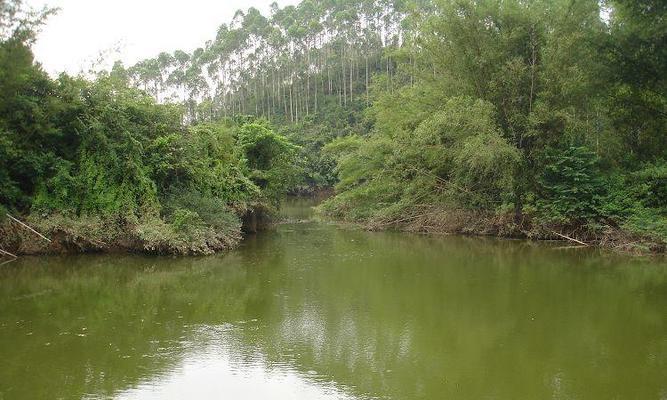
367 94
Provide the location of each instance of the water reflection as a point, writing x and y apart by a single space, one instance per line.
312 311
217 367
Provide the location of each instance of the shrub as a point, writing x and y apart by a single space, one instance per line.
570 188
186 221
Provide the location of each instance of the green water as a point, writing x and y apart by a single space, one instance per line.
315 311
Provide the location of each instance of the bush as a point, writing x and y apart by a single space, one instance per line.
271 158
651 185
455 157
570 187
213 212
628 204
186 221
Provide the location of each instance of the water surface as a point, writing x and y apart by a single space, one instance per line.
315 311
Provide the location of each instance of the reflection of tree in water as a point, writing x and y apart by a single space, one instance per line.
382 314
392 315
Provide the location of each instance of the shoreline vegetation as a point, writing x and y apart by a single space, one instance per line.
203 189
466 223
537 120
68 236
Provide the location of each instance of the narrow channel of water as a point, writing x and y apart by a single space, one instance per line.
315 311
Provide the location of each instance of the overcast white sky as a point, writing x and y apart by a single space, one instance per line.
71 40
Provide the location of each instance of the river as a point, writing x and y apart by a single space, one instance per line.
311 310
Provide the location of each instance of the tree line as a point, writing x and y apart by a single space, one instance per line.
286 66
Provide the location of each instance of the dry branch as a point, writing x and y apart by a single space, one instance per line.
29 228
569 238
4 252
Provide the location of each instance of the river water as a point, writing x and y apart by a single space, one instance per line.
311 310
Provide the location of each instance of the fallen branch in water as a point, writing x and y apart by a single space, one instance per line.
29 228
569 238
8 261
567 247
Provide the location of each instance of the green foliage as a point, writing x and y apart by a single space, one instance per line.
27 134
108 173
461 144
186 221
314 132
651 185
91 155
19 23
211 211
571 186
263 147
635 202
484 169
483 110
647 222
270 157
205 159
637 61
315 59
455 157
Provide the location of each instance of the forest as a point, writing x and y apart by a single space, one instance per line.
541 119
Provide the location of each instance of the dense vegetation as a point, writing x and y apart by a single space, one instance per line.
523 118
100 165
536 118
531 118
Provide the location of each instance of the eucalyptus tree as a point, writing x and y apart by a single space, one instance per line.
288 64
176 77
19 22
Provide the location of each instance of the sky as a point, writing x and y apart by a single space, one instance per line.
129 30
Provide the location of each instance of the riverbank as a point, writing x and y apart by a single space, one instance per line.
97 235
438 221
154 236
59 234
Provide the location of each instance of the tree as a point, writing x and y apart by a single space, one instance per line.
571 186
637 61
